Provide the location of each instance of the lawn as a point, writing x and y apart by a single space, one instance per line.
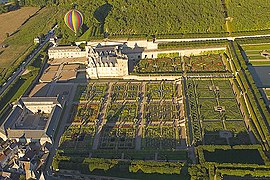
267 92
253 52
23 82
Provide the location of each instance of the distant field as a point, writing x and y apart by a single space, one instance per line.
21 43
11 21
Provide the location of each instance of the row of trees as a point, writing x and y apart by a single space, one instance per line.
156 167
257 107
193 44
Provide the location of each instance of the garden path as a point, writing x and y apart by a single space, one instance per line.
138 139
103 120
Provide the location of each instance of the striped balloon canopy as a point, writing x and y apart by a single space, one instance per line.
74 20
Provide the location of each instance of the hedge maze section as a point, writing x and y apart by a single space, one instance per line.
215 114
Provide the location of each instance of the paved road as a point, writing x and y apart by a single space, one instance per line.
208 39
21 69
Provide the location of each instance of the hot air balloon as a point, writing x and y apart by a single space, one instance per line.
74 20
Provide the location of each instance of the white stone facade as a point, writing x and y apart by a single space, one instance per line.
66 52
106 63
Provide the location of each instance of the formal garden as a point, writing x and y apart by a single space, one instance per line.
160 137
116 137
86 112
131 128
77 137
213 111
205 63
122 112
159 65
125 91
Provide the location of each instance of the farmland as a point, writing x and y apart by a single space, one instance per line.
17 18
21 43
215 114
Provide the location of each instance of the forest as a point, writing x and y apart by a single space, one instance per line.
125 18
249 15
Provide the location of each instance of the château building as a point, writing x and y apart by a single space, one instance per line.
106 62
33 119
59 52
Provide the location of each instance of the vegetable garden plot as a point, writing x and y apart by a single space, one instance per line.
79 93
160 90
76 137
117 138
119 95
119 87
161 112
159 137
95 91
126 112
125 91
86 112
